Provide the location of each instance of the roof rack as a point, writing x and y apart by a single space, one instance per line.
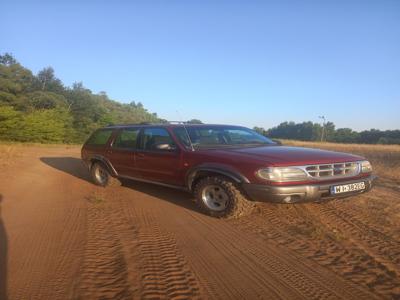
176 122
131 124
147 123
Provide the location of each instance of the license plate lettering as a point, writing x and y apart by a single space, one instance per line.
345 188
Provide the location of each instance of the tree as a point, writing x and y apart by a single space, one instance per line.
46 100
7 98
329 131
305 131
260 130
309 131
10 119
7 59
370 136
346 135
15 79
194 121
48 81
40 108
45 126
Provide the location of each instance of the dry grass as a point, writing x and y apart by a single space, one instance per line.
385 159
96 197
41 145
7 154
9 151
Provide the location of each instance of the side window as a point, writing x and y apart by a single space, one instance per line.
157 139
100 137
240 136
182 135
126 138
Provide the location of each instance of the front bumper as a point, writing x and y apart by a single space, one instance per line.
302 193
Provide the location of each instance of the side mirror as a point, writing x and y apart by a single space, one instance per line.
279 143
165 147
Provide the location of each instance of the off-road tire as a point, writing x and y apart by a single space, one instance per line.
237 206
109 180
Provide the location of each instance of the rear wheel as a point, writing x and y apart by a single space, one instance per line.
219 197
101 176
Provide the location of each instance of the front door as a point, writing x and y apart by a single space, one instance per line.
158 157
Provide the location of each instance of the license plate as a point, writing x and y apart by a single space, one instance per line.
345 188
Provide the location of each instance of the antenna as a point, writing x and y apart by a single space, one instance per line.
187 133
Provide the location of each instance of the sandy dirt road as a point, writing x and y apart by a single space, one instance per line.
61 237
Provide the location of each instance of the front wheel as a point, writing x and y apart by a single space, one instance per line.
219 197
101 176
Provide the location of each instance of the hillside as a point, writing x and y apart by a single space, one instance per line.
40 108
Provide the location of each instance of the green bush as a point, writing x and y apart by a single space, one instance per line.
39 108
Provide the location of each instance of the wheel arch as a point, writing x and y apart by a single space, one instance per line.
98 158
197 173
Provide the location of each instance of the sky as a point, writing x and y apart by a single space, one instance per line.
253 63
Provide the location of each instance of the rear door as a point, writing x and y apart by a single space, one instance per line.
122 151
98 143
158 157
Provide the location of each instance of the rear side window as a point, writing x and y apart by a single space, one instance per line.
99 138
153 137
127 138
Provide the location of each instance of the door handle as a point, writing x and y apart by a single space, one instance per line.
140 154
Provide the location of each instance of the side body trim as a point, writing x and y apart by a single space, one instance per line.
219 169
154 182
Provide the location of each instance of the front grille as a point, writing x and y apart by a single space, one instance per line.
334 170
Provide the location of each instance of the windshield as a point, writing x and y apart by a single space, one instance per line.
220 136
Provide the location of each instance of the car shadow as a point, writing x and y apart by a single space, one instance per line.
70 165
3 258
76 167
174 196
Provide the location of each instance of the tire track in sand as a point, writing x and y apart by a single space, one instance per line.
344 242
377 244
229 263
104 270
125 259
164 272
305 277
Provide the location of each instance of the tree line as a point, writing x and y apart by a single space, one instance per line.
309 131
40 108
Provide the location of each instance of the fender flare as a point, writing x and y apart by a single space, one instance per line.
214 168
105 161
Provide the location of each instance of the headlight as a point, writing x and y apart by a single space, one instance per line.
282 174
366 167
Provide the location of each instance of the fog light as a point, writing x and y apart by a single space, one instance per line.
287 199
292 198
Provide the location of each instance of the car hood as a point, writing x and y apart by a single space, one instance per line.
284 155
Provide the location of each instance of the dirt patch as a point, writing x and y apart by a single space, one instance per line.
69 239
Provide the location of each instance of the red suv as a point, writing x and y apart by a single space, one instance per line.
224 166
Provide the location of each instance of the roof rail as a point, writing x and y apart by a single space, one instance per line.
176 122
131 124
147 123
154 123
